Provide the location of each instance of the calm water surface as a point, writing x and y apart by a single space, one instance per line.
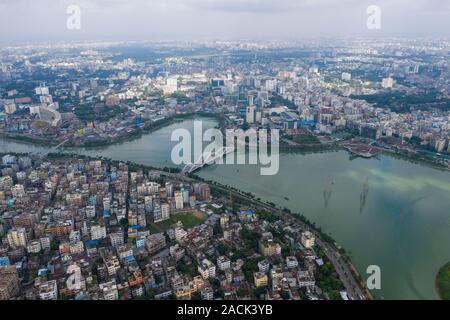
401 225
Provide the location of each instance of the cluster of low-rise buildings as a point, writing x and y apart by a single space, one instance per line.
92 229
323 92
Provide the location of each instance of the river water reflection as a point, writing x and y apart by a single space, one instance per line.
387 212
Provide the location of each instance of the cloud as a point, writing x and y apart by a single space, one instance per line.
192 19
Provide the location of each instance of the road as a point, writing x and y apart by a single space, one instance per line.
354 290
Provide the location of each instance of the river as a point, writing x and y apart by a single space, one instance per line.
385 211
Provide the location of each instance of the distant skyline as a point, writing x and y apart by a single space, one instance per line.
45 20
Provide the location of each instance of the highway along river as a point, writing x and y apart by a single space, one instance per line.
386 212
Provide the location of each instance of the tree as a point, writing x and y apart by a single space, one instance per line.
149 295
54 245
241 292
249 268
238 254
285 295
223 249
268 216
285 251
219 293
251 238
196 296
259 291
217 229
215 283
123 223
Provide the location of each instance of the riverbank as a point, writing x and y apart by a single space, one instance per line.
27 139
443 282
415 159
284 147
405 202
146 129
136 134
334 252
404 215
338 257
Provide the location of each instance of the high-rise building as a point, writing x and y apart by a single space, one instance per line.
179 200
185 193
192 201
387 83
251 110
205 192
165 211
171 85
17 237
169 189
161 212
251 100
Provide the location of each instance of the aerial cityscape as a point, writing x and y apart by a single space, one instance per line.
336 187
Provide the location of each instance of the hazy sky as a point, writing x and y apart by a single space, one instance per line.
45 20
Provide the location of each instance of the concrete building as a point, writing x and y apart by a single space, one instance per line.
207 293
205 192
291 262
98 232
74 282
162 213
10 108
109 290
207 269
48 290
155 243
269 248
49 115
9 283
179 204
346 76
387 83
34 246
250 115
223 263
308 239
116 239
17 237
260 279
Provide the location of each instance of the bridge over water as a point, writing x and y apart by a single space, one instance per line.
207 158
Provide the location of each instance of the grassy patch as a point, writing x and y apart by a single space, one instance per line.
189 220
306 139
